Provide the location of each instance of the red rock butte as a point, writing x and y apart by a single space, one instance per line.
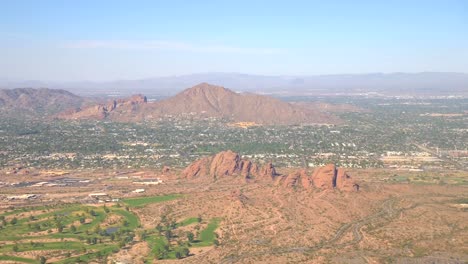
230 164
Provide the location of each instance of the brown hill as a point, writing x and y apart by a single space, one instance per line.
37 102
205 100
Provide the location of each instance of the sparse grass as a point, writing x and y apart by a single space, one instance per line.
462 201
142 201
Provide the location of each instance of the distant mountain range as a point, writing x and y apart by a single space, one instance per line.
205 101
37 102
417 84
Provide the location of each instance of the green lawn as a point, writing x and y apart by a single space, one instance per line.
105 245
188 221
67 216
142 201
17 259
87 257
207 236
132 219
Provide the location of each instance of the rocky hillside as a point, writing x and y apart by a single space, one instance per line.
120 109
205 100
37 102
230 164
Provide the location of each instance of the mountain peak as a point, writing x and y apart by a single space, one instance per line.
206 100
206 88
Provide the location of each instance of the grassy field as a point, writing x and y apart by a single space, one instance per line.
188 221
159 243
80 231
207 235
142 201
89 240
17 259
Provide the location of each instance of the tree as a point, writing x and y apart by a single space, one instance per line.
199 219
82 220
59 227
15 248
190 237
159 227
185 251
92 212
168 234
73 229
42 260
178 255
14 221
216 242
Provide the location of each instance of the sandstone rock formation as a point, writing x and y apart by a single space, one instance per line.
227 163
330 177
197 168
268 171
297 179
344 181
325 177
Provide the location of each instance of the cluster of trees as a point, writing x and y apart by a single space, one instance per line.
175 241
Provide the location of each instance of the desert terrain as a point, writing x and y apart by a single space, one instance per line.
281 218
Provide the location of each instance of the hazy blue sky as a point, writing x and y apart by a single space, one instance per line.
106 40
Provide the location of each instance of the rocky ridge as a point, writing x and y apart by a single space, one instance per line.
103 111
230 164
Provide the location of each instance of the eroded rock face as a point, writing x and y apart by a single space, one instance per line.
268 171
227 163
197 168
344 182
103 111
330 177
324 177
